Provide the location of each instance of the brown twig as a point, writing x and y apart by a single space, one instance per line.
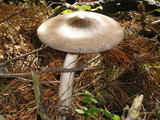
65 70
49 69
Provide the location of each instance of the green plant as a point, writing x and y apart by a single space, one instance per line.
71 8
91 111
155 10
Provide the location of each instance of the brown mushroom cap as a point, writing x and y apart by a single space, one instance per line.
81 32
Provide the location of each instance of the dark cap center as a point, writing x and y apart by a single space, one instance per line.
79 21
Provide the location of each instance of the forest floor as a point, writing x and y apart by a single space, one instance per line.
128 70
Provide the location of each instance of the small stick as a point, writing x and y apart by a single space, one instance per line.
49 69
40 103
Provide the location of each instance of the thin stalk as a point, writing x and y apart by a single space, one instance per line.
66 82
40 103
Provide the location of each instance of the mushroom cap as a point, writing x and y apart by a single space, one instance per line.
81 32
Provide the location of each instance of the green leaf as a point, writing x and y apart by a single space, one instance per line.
108 114
97 8
94 111
116 117
79 111
29 107
89 100
157 10
87 93
84 7
55 9
67 11
85 108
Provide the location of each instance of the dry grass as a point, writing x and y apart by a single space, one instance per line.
129 69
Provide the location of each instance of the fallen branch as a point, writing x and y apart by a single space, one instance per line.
50 69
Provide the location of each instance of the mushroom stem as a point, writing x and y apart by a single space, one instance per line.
66 82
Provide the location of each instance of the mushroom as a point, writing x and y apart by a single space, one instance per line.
78 32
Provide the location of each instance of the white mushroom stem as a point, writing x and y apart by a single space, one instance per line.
66 82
